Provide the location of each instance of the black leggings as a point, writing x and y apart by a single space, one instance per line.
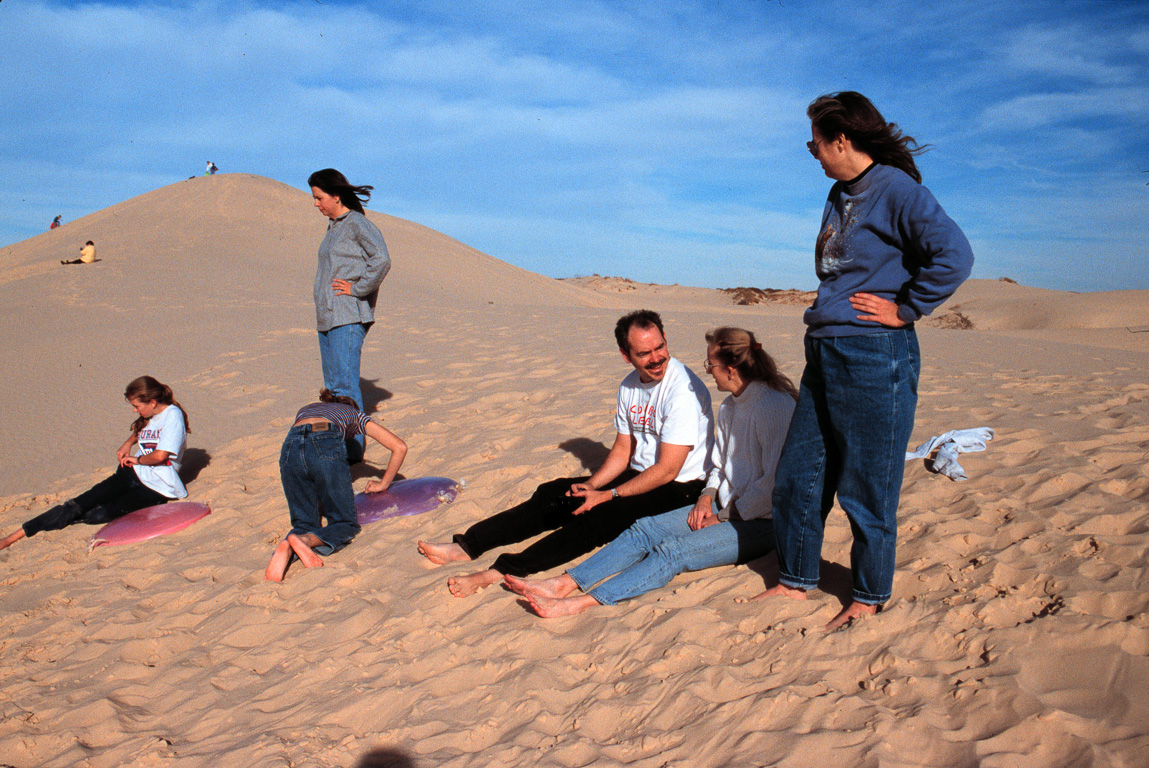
103 502
550 509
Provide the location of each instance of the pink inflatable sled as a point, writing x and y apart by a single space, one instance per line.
406 497
149 522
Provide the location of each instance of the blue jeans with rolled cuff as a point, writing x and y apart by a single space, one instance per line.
340 352
848 439
317 484
655 549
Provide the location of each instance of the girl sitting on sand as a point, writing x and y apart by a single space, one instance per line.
752 425
316 478
146 479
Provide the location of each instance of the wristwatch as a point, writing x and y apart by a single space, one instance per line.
614 493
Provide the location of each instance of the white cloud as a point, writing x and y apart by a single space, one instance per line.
540 130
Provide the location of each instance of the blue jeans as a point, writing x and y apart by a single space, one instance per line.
317 481
848 438
340 351
656 549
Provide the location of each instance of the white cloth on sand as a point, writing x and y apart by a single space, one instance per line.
948 446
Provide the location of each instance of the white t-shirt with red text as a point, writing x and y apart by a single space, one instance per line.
164 432
675 410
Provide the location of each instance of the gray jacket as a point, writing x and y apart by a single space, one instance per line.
353 250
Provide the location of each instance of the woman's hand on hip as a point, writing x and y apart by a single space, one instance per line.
341 287
878 310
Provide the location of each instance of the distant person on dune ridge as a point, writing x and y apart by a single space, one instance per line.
55 222
317 479
353 261
731 521
886 255
145 479
211 169
87 255
659 460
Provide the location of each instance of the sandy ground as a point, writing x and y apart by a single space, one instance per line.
1017 635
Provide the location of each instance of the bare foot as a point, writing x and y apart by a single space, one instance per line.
449 552
854 610
462 586
302 545
550 608
11 538
277 568
780 589
555 587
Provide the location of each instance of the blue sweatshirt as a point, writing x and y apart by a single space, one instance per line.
884 234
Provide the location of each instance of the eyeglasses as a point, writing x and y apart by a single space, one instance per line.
813 147
709 365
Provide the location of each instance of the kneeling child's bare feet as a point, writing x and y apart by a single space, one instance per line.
854 610
550 608
780 589
447 552
279 560
462 586
302 545
554 587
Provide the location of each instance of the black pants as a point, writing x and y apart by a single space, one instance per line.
103 502
550 509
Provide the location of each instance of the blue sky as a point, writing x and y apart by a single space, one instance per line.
658 141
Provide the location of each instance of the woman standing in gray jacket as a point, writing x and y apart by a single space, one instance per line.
353 261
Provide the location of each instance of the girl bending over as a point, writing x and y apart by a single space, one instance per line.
316 478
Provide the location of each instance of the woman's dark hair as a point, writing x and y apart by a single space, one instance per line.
146 389
336 184
738 349
327 396
851 114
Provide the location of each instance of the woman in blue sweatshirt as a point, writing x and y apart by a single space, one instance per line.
886 255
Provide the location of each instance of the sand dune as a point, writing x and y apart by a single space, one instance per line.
1017 635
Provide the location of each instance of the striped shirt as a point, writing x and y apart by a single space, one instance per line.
350 421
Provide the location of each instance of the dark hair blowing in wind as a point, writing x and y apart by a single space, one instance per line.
850 114
336 184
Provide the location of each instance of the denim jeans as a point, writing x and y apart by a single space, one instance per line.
848 438
340 350
105 501
656 549
317 481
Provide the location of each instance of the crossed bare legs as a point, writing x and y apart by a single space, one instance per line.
301 547
845 617
550 598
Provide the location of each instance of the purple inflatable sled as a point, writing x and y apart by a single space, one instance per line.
149 522
406 497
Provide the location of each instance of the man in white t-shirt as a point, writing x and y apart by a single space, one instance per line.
659 462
